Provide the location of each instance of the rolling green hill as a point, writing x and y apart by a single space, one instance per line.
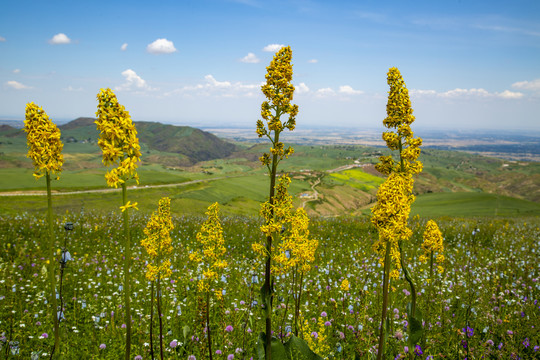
328 180
193 144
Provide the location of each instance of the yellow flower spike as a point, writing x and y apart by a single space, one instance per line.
43 139
117 139
158 242
345 286
394 197
210 258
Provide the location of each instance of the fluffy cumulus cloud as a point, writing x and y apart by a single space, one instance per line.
124 47
533 85
161 46
473 93
348 90
218 84
133 82
301 88
313 61
250 58
213 87
17 85
273 47
59 39
324 92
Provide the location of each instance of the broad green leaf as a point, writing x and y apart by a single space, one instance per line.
278 350
185 331
298 349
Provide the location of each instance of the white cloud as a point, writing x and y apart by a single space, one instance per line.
348 90
301 88
213 87
219 84
533 85
273 47
17 85
250 58
507 94
459 93
124 47
59 38
313 61
161 46
16 71
325 92
133 82
2 39
464 92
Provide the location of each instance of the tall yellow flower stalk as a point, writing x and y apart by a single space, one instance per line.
394 197
45 150
210 261
293 248
433 242
278 90
120 145
158 244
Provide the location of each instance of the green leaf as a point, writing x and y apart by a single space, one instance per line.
298 349
265 298
278 350
414 329
186 330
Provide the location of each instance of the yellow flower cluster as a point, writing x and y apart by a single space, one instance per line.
289 231
345 286
158 241
390 215
279 92
210 258
316 340
433 242
43 139
394 196
117 139
400 117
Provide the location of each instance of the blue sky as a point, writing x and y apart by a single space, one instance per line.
468 64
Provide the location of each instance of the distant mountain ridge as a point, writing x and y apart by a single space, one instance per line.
195 144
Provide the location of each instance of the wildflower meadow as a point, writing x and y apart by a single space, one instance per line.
155 284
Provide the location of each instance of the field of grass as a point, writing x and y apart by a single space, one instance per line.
470 204
484 304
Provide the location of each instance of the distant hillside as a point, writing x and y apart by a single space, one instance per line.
195 144
9 131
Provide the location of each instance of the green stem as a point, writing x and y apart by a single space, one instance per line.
151 319
297 305
127 263
267 274
52 260
160 315
208 325
409 280
380 351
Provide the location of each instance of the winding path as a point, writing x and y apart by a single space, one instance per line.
43 193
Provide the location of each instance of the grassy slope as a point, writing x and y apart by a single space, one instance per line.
458 181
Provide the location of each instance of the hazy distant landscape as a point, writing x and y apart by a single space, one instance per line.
493 174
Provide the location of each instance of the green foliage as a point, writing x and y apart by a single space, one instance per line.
503 271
